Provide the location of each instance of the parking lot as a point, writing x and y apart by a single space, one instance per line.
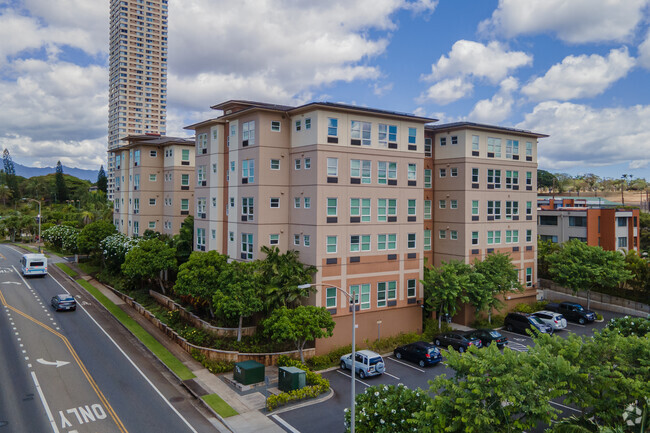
327 416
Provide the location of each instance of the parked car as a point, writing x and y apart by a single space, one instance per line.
520 322
457 340
64 302
367 363
552 319
572 311
420 352
488 336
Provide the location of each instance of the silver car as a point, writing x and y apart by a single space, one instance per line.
554 320
368 363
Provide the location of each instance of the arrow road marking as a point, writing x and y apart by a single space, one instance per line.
57 363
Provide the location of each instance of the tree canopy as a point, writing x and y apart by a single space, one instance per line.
91 236
148 260
102 180
198 278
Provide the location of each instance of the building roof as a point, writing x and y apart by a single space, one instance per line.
153 140
481 126
356 108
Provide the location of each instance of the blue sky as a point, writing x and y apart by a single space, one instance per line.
577 70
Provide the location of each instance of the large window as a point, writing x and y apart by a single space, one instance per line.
493 237
248 170
201 174
387 242
360 207
512 236
247 246
332 127
512 179
494 147
385 171
248 133
621 221
547 220
136 157
360 169
494 209
361 295
494 178
412 173
622 242
386 291
386 207
202 143
248 208
359 243
360 131
200 238
332 166
579 221
512 209
512 148
201 204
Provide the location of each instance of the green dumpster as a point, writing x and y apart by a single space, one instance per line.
290 378
247 372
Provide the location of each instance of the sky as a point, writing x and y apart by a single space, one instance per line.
577 70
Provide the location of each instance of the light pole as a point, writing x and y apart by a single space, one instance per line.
39 221
352 299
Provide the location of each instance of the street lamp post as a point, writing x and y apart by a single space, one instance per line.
39 221
352 299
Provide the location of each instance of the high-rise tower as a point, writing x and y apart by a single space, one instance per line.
138 73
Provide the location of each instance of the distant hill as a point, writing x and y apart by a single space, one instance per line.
24 171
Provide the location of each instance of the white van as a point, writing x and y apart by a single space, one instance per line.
33 264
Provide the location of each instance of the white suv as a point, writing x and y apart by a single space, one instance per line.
367 363
552 319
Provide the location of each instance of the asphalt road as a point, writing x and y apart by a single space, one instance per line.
78 371
330 412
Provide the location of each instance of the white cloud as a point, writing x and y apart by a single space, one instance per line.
585 136
644 51
468 58
575 21
499 107
447 91
381 90
580 76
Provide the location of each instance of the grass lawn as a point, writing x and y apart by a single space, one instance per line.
147 339
65 268
219 406
89 268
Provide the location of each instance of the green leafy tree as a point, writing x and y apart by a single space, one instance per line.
283 273
114 249
387 409
102 180
644 235
239 292
61 187
545 180
148 260
184 240
498 277
629 325
5 194
579 266
299 325
446 287
544 250
198 278
639 268
91 236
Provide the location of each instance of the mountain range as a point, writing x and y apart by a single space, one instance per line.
24 171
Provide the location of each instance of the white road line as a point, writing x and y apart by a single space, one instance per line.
347 375
285 424
566 407
132 363
404 363
576 324
45 405
388 374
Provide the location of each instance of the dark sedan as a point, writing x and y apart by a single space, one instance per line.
457 340
421 352
488 336
64 303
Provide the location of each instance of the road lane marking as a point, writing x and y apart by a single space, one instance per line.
347 375
285 424
404 363
45 405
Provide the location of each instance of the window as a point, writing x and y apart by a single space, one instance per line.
275 125
332 204
622 242
411 208
185 204
307 202
475 207
152 224
547 220
201 174
621 221
214 233
413 135
529 277
248 133
453 204
427 209
136 157
296 164
232 201
443 172
153 154
454 235
306 240
412 174
385 171
386 291
248 208
275 202
512 148
185 179
427 147
296 202
475 175
529 149
202 143
363 297
580 221
442 234
308 123
200 238
512 236
231 236
247 246
214 202
332 127
136 205
494 147
427 240
410 288
274 239
474 238
529 235
494 237
359 243
136 181
386 207
332 166
442 204
512 209
298 125
443 141
360 207
494 209
330 297
427 178
136 228
200 205
387 242
494 178
360 131
296 239
475 142
307 163
454 171
152 177
360 169
331 244
410 241
529 178
550 238
454 139
529 208
275 164
248 170
512 179
185 155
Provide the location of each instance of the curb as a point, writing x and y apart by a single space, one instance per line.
317 400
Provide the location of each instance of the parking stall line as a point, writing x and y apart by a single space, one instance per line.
388 374
285 424
348 376
404 363
576 324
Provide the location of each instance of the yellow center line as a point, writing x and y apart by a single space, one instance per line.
2 257
81 365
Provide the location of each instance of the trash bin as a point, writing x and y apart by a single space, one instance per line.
290 378
248 372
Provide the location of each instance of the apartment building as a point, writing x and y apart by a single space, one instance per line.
154 184
343 185
480 198
610 227
138 73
